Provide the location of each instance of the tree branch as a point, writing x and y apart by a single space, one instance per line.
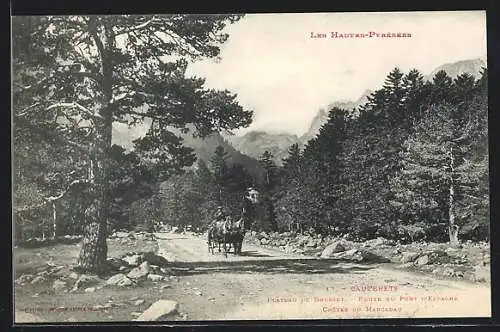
136 27
52 199
76 105
71 185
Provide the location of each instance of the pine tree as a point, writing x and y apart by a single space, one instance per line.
435 175
220 170
97 70
268 215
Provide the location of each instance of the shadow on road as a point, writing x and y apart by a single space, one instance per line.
253 254
268 266
170 238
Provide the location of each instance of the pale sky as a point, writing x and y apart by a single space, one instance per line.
285 76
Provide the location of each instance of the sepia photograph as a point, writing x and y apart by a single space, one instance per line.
279 166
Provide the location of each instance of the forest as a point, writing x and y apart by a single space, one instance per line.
411 164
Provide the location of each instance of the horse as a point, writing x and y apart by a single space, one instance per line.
229 233
218 234
236 233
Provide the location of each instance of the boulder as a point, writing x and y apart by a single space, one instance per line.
84 281
74 275
115 263
59 285
333 248
90 290
121 234
282 242
311 243
377 242
37 280
452 251
119 280
158 310
139 302
133 259
154 259
24 279
155 277
422 260
361 256
409 256
140 271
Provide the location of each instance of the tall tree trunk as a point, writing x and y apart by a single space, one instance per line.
453 228
54 220
94 249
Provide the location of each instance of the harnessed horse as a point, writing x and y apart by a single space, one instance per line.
228 233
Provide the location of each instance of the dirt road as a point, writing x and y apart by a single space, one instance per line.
264 283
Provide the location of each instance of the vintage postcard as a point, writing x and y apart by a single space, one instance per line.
250 167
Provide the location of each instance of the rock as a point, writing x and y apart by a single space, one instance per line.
406 265
71 319
90 290
377 242
121 234
58 285
409 256
145 266
264 241
139 302
155 277
122 268
452 251
165 286
283 242
311 243
115 263
263 235
24 279
361 255
133 260
423 260
333 248
85 280
137 273
140 271
43 273
119 280
158 310
154 259
74 275
135 314
37 280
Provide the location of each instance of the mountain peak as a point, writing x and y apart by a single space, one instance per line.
454 69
